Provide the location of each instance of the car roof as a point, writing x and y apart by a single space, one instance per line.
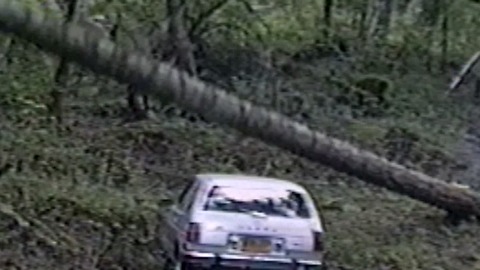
241 180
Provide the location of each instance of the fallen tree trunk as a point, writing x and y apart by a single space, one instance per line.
162 81
467 67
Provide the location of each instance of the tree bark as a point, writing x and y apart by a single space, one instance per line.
327 18
104 57
181 50
61 74
4 51
382 21
445 32
466 69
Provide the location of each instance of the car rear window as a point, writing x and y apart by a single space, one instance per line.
271 202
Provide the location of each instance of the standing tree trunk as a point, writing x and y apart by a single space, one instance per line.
431 11
327 18
4 52
382 21
444 43
180 49
165 82
61 74
362 22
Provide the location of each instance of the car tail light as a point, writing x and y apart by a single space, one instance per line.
193 233
233 242
278 245
318 241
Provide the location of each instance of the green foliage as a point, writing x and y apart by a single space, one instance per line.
27 83
102 171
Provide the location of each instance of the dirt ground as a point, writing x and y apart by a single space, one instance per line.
88 196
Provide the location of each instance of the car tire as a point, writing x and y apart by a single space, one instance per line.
321 267
178 265
324 266
175 264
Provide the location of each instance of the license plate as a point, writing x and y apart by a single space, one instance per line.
256 245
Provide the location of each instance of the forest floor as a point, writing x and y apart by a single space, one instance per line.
88 196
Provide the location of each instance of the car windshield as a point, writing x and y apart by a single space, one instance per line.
270 202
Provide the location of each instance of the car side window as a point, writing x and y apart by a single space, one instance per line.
185 191
299 204
189 202
189 197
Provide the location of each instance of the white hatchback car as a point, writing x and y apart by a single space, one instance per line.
221 221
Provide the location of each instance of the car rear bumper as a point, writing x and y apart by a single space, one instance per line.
209 259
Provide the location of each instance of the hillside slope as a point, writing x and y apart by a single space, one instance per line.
87 195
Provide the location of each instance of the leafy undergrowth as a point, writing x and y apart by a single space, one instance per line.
88 197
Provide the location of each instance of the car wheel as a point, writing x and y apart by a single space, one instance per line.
323 267
168 264
315 268
178 265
